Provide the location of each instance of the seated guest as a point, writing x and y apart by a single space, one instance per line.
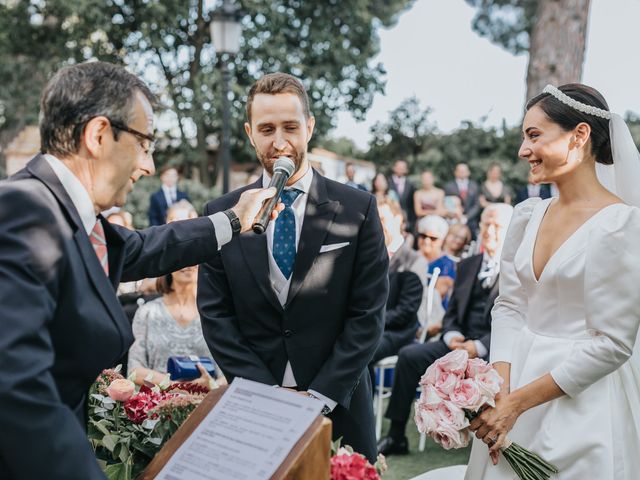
167 195
456 242
405 291
467 325
432 231
169 325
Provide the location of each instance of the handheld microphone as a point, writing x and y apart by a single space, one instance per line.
282 170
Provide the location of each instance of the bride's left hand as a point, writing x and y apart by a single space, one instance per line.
493 424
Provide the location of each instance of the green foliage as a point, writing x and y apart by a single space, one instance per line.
507 23
329 45
408 134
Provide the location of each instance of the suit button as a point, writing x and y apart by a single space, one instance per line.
288 333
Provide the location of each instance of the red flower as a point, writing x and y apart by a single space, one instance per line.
352 467
138 405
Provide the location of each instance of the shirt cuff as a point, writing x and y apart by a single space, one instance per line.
326 400
449 335
222 226
480 348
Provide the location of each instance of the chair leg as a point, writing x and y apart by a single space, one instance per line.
422 443
381 371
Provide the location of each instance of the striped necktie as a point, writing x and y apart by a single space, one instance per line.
99 243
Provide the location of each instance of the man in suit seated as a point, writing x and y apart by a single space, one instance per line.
466 325
167 195
405 288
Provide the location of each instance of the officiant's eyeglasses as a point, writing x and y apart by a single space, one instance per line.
148 148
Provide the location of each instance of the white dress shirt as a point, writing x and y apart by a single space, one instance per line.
84 205
400 183
279 283
170 194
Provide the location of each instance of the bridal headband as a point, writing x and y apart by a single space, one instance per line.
623 177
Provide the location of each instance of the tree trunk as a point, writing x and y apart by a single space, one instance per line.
558 42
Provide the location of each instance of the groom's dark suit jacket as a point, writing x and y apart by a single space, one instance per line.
332 320
60 320
459 316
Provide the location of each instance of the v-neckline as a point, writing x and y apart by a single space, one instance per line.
562 245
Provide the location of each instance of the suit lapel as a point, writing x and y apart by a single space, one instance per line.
256 255
318 219
40 169
470 277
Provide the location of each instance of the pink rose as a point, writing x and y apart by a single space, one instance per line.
467 395
489 385
429 377
454 362
447 436
446 382
451 414
121 389
426 418
430 397
476 366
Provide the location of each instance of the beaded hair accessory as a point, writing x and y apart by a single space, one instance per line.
576 105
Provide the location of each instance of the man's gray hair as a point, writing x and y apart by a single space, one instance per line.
78 93
502 210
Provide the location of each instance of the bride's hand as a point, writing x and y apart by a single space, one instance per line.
493 424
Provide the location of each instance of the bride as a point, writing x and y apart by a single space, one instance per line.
566 321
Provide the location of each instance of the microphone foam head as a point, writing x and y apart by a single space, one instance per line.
284 164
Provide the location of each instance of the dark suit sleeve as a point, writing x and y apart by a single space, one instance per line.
41 437
451 322
220 327
364 320
157 251
155 217
403 313
474 202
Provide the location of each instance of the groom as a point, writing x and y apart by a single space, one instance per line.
466 325
300 306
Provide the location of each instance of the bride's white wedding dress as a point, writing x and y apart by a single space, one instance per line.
579 322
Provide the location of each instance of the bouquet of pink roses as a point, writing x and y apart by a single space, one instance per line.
454 389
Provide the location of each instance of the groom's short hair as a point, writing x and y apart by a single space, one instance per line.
275 83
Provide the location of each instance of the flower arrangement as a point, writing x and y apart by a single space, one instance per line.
127 428
454 389
349 465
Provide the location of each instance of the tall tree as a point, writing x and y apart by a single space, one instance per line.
554 33
329 45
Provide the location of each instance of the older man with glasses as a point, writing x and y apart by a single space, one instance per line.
61 262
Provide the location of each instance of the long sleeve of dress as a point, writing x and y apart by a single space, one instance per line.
612 276
509 311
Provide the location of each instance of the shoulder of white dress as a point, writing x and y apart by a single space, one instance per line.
620 216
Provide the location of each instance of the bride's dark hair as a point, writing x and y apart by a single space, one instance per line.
568 117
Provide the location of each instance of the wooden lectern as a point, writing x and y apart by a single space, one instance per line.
309 458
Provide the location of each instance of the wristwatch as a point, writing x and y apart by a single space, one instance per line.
235 221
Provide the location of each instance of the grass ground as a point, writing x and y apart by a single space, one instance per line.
404 467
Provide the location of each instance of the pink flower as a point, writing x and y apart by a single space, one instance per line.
430 397
426 418
445 382
447 436
454 362
429 377
489 385
352 467
121 389
476 366
451 414
467 395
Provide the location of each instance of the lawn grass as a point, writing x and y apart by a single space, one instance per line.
404 467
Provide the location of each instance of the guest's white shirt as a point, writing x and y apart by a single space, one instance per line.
400 183
533 190
84 205
170 194
463 184
279 283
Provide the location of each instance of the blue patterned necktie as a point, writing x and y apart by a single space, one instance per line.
284 234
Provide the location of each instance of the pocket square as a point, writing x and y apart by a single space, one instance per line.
333 246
